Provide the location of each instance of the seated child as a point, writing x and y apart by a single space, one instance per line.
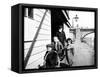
50 58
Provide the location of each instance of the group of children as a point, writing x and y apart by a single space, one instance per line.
60 49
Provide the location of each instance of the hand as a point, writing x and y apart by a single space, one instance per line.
69 46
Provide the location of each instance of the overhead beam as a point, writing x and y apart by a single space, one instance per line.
67 14
66 18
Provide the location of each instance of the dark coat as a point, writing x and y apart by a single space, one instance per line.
61 36
51 59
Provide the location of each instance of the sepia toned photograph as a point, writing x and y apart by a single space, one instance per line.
58 38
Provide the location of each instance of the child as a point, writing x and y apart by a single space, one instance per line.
69 51
51 57
58 47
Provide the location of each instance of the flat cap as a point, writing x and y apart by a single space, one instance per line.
50 45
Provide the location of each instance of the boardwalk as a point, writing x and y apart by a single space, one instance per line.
83 55
83 52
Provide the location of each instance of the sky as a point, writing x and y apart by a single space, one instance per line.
86 19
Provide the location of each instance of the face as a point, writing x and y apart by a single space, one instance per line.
55 39
49 49
60 30
69 42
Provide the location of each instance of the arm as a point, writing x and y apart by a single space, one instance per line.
64 38
45 58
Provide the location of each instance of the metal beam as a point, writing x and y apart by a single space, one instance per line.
86 35
66 18
33 41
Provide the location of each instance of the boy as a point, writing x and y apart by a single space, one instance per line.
58 47
51 57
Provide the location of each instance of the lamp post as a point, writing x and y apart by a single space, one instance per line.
76 21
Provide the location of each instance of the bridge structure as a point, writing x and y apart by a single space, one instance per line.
83 32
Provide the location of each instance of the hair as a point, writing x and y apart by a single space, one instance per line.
49 45
69 39
60 26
